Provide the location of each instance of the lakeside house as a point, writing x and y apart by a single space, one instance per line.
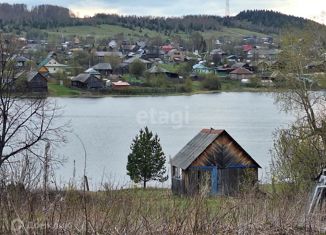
241 73
88 81
44 71
212 162
32 81
92 71
137 58
200 68
104 69
156 70
120 85
36 82
52 65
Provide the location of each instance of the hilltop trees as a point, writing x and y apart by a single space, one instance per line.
147 160
19 17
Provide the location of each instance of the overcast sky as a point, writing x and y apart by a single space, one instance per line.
312 9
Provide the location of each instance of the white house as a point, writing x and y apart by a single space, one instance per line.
52 65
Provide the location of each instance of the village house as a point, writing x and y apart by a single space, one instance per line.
213 163
104 69
120 85
129 61
156 70
87 81
200 68
102 54
176 56
44 71
31 81
52 65
21 61
152 53
92 71
36 82
167 48
240 65
113 44
128 48
241 73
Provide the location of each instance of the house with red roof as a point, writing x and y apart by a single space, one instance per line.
167 48
247 47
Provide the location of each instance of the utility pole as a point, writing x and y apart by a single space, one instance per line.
227 8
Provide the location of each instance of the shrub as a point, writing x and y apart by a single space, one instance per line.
137 68
211 82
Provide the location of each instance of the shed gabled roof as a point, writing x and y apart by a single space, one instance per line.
30 75
83 77
241 71
195 147
102 66
92 71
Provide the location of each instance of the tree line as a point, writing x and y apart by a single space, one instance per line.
19 17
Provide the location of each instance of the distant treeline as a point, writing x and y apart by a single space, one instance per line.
18 17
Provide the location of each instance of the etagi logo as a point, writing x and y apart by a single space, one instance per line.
176 119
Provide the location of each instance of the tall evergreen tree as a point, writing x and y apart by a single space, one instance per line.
147 160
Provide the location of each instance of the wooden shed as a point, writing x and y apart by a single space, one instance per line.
212 161
36 82
31 81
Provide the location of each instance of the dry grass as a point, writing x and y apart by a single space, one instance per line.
153 211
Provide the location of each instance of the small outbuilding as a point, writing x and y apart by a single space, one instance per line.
31 81
37 82
212 162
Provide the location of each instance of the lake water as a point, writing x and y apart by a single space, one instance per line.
107 126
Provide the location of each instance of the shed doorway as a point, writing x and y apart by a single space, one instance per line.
204 180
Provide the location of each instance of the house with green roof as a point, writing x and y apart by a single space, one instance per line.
52 65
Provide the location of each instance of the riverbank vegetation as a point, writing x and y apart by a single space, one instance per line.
153 211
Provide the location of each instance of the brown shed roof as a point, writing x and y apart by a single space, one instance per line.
195 147
241 70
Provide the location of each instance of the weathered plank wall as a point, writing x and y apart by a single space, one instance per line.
223 152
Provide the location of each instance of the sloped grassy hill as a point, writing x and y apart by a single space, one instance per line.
109 31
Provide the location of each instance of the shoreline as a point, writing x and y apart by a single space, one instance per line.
93 95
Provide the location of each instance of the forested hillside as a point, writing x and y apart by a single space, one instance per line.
18 17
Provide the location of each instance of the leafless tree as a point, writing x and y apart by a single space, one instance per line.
27 122
300 150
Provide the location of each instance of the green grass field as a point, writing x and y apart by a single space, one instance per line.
101 31
58 90
109 31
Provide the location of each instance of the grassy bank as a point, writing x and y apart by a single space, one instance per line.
56 90
60 90
153 211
